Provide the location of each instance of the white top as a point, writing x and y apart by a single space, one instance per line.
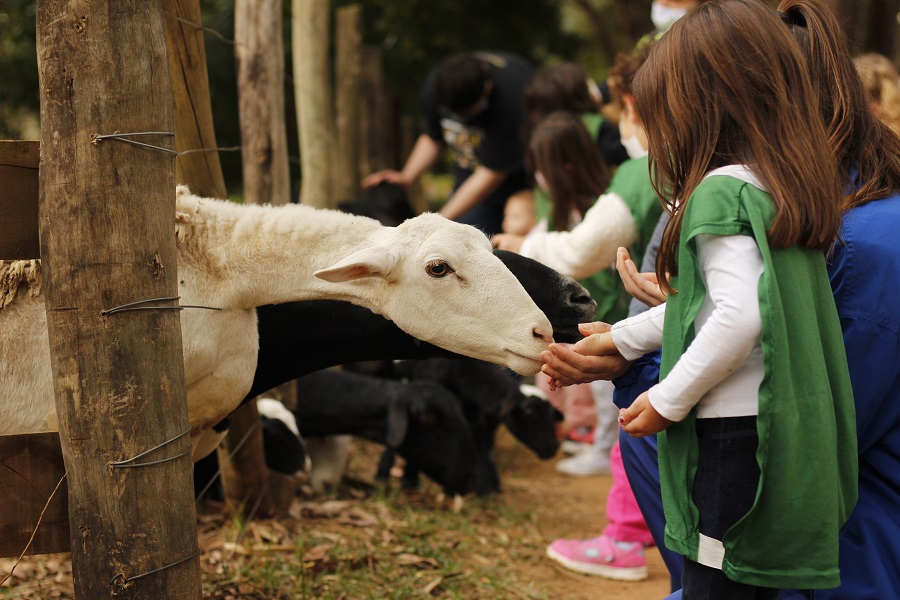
722 369
590 246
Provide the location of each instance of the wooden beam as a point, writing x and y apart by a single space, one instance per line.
30 469
19 200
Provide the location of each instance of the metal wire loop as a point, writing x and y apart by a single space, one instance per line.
129 463
121 581
137 306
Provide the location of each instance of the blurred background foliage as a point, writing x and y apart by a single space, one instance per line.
413 36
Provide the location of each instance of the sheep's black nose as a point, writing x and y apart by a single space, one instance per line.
580 297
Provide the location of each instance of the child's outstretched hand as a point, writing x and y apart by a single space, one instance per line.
641 419
594 357
643 286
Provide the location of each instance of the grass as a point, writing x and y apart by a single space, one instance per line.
357 542
386 544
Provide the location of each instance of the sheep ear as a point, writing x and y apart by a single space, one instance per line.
368 262
397 423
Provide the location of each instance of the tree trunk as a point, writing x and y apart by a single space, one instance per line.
106 214
348 56
312 91
376 115
201 171
259 52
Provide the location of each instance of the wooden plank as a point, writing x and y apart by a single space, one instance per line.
19 200
30 468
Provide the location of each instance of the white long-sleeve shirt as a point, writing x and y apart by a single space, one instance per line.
588 247
722 369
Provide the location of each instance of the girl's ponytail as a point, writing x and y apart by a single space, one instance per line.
867 151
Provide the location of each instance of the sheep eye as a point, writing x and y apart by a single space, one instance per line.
438 269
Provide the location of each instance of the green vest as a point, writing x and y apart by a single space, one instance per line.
806 424
632 184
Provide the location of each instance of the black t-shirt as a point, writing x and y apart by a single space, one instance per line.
494 137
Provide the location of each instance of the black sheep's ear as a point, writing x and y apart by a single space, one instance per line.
558 416
397 423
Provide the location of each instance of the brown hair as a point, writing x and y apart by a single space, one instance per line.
622 73
728 85
563 86
861 143
562 150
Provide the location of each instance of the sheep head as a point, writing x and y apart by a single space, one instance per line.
440 282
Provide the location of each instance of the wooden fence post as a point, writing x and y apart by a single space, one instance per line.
201 171
311 35
260 60
347 66
259 53
106 215
377 135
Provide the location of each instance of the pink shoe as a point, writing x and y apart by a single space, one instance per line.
601 556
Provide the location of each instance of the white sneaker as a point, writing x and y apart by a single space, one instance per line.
589 461
571 447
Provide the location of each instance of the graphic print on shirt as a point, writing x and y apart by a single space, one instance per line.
463 140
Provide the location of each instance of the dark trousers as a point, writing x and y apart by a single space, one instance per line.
724 489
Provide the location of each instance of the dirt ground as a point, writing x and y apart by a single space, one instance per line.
537 505
570 507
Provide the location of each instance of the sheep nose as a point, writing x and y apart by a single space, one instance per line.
542 332
580 296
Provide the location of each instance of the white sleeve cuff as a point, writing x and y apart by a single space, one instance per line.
640 334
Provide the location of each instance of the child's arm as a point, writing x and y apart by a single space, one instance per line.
731 267
591 245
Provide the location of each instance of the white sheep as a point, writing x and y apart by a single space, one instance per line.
436 279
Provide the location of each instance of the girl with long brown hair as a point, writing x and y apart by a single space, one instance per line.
757 450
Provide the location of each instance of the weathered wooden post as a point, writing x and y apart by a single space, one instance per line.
201 171
259 52
260 64
347 65
106 218
376 121
311 35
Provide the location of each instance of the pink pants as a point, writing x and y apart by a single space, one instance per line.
625 523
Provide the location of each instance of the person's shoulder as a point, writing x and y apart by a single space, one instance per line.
719 204
875 219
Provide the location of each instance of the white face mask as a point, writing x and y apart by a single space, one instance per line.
632 143
664 17
541 181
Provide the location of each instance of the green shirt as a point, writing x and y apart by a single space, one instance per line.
806 423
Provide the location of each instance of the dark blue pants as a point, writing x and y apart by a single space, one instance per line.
641 462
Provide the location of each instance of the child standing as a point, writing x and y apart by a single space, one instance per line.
757 460
569 169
